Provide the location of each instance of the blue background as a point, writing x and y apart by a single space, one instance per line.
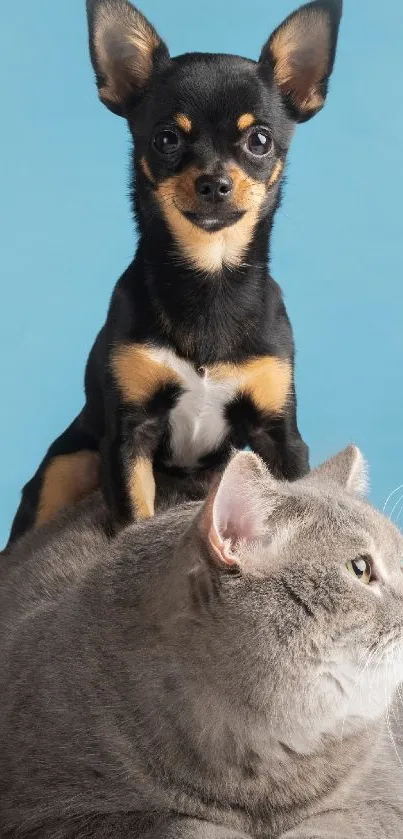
67 232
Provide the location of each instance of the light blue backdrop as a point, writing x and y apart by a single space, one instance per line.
67 234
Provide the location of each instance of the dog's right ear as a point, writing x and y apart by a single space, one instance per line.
125 50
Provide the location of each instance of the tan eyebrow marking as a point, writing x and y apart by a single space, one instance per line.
184 123
245 121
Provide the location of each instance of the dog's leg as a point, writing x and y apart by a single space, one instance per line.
142 392
264 416
127 457
291 452
69 470
280 445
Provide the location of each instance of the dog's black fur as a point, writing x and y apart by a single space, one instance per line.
198 285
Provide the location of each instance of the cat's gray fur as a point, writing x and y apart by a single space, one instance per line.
148 691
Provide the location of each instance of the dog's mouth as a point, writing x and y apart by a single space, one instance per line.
213 220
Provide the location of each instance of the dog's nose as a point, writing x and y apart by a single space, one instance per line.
214 188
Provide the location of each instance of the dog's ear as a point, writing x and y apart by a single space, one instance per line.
125 50
301 53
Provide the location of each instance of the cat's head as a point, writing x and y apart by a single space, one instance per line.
308 619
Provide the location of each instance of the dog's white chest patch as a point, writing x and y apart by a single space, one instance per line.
197 422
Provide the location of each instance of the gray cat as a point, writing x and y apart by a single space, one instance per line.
223 670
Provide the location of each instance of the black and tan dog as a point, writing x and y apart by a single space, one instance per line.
196 354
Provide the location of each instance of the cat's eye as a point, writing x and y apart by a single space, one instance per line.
361 567
259 142
166 141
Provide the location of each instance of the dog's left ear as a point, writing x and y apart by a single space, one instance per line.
125 50
301 54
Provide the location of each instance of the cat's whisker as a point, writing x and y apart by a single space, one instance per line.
395 506
378 660
387 715
398 692
396 654
399 689
391 494
399 514
358 684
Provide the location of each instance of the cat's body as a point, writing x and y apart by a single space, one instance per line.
148 691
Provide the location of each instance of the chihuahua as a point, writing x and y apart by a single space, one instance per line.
196 356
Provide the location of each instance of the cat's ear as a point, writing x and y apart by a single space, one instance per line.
300 54
125 50
347 468
237 508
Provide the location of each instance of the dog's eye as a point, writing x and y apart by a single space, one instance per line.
166 141
259 142
361 567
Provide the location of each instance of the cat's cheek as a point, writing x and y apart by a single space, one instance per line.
376 688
